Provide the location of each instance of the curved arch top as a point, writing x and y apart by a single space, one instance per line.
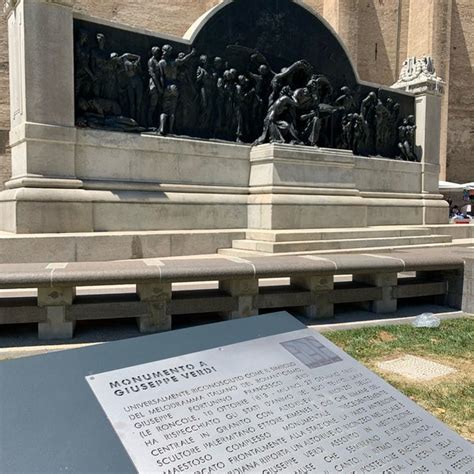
284 31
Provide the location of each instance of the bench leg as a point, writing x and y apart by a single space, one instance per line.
321 287
468 287
158 299
245 291
386 281
457 283
56 301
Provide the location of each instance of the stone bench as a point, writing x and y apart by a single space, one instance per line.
312 291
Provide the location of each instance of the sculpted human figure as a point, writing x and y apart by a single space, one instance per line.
84 77
98 106
324 88
393 109
263 88
359 134
206 86
217 68
230 104
279 126
368 113
168 76
187 109
248 103
346 100
155 90
308 121
382 129
99 66
347 132
285 76
104 114
128 66
406 133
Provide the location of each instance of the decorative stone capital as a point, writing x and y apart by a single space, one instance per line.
418 76
9 5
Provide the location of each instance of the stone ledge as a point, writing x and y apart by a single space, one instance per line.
219 268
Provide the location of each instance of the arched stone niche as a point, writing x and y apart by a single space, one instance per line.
282 31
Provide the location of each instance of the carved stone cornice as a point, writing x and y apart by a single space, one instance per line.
9 5
418 75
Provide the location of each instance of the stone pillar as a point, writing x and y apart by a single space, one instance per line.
245 290
56 301
386 281
418 76
41 55
158 298
321 287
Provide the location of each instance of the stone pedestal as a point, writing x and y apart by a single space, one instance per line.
158 298
320 287
56 301
41 51
66 179
386 281
418 77
245 291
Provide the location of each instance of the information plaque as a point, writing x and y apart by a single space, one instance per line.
291 402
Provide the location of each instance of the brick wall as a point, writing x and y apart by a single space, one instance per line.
460 135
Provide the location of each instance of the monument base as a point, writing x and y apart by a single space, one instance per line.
126 182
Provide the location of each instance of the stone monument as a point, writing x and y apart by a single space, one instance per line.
245 123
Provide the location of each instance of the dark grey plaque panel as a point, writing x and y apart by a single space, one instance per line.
50 420
260 393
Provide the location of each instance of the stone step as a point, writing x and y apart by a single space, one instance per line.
311 245
103 246
232 252
335 234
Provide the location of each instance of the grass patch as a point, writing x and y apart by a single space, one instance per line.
449 398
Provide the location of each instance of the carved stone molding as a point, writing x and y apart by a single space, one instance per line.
418 75
9 5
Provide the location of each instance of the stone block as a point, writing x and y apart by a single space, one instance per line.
321 288
202 301
56 325
56 301
245 290
388 176
161 160
289 165
56 296
158 297
386 281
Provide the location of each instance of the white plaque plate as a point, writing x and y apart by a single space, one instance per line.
287 403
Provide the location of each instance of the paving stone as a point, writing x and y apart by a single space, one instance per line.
416 368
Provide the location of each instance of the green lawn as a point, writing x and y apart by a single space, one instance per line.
450 398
